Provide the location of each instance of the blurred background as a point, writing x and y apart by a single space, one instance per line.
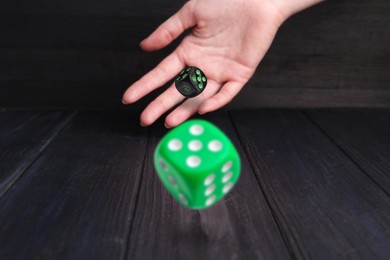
83 54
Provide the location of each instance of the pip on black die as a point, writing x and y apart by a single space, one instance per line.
191 81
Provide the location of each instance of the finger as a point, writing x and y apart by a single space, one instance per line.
190 106
170 29
160 105
161 74
224 96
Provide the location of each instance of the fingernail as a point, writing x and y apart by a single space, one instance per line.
124 102
202 112
141 124
166 125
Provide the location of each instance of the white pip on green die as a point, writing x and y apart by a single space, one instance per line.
197 163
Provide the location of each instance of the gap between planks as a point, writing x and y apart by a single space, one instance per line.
346 153
53 135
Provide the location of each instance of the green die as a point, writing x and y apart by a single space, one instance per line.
197 163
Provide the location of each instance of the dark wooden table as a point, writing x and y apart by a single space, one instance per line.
315 184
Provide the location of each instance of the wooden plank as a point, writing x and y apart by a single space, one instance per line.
333 54
63 78
65 94
56 31
105 74
91 7
326 206
364 134
77 200
288 97
347 28
24 135
240 226
48 65
332 27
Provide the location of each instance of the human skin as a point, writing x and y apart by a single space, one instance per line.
228 40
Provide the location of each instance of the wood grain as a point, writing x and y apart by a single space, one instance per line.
326 206
240 226
335 54
312 186
364 135
24 135
77 200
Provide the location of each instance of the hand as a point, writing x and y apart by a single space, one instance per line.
228 41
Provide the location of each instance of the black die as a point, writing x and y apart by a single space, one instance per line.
191 81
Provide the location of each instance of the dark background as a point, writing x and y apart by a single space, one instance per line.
69 53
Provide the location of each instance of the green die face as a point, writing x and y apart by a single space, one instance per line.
197 163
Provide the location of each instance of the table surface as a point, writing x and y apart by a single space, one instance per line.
80 184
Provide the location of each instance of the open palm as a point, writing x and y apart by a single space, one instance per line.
227 41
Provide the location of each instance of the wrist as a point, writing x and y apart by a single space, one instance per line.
287 8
